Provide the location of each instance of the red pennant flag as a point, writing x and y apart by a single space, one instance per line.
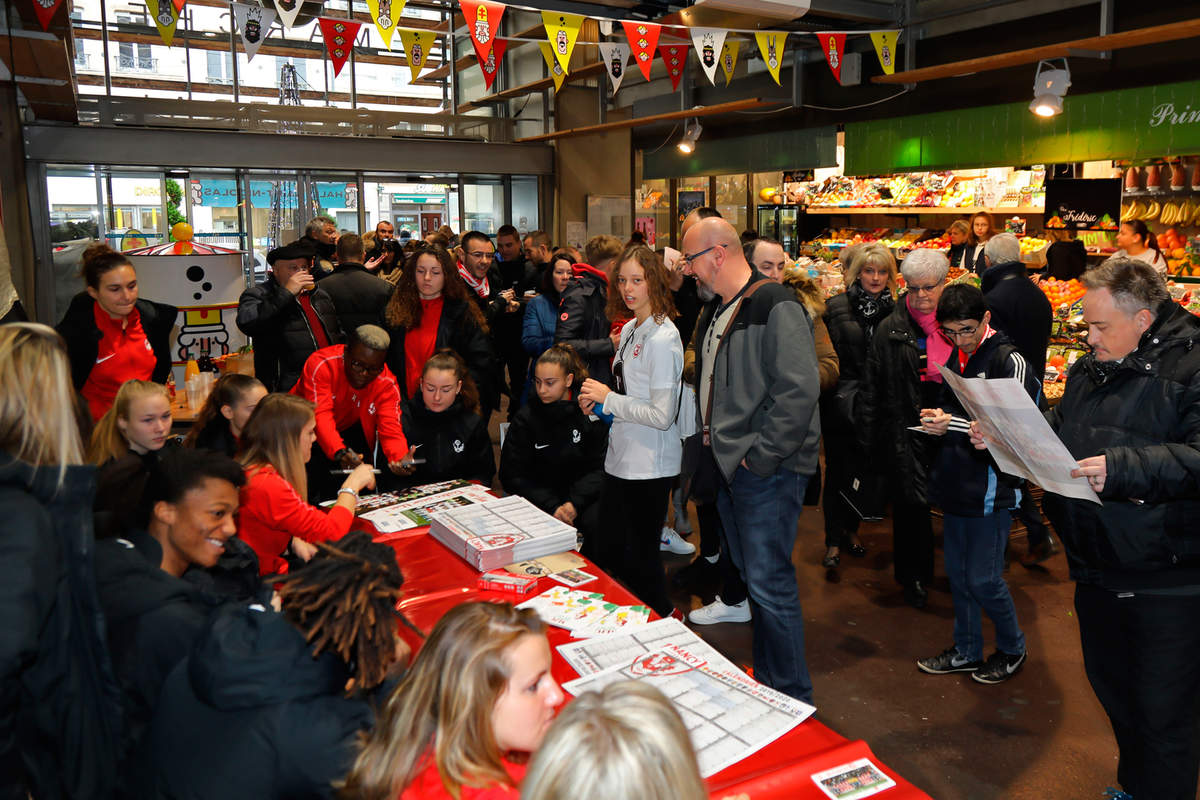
45 11
483 20
643 38
833 45
339 38
675 57
179 4
491 65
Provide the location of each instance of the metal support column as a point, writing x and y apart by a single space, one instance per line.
353 77
233 57
1107 9
450 52
104 42
799 57
186 19
42 305
910 40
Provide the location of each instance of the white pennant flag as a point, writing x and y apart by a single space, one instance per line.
615 57
253 23
288 11
708 43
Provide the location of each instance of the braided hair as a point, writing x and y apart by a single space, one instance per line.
343 601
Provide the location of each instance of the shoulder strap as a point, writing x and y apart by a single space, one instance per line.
750 290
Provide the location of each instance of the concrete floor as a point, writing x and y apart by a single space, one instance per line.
1041 734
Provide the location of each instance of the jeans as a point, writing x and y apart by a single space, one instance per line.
759 516
1142 657
974 554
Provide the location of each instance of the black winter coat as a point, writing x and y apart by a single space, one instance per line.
1066 260
153 618
60 706
965 481
1020 311
584 324
78 329
493 305
891 400
1143 415
454 443
251 715
358 296
554 454
850 341
283 338
458 330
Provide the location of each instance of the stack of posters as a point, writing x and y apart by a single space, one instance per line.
500 531
391 512
728 714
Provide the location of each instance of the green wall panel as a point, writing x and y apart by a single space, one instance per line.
1147 122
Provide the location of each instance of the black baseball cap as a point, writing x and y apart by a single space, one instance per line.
296 249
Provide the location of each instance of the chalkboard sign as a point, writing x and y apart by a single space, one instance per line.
1083 204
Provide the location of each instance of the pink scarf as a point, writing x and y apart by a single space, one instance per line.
937 348
479 285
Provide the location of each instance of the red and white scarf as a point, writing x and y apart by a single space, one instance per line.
479 285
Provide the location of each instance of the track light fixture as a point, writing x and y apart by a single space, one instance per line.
1050 87
691 133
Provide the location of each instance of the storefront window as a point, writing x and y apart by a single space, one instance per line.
652 213
731 199
213 205
337 197
415 208
483 204
525 203
76 221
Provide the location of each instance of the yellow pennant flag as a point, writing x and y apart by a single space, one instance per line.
885 48
561 32
555 68
417 45
770 44
729 54
166 17
386 14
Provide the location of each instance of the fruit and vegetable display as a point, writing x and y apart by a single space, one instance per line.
1061 293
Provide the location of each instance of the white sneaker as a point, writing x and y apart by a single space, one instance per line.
672 542
717 611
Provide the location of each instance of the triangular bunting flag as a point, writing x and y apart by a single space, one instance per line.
386 14
417 46
166 17
254 23
45 11
614 56
833 45
729 54
492 65
288 10
643 38
483 20
339 39
555 68
885 48
708 42
561 31
179 4
675 57
770 44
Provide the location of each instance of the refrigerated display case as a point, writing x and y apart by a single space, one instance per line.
781 222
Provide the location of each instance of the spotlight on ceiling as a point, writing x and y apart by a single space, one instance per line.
691 133
1049 88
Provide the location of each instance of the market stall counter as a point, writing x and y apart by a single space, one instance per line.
436 580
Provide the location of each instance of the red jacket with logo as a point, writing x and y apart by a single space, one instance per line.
340 405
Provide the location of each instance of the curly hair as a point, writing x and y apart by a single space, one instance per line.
404 308
662 306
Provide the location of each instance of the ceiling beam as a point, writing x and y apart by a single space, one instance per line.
158 84
720 108
1139 37
578 74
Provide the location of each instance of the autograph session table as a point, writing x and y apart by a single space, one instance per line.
436 580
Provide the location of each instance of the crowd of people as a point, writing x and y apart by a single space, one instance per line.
184 612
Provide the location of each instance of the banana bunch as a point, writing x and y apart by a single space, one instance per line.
1172 212
1141 210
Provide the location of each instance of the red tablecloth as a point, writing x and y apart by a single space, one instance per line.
435 580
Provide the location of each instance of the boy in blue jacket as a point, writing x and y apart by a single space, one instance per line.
975 497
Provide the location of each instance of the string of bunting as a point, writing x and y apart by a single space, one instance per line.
714 47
